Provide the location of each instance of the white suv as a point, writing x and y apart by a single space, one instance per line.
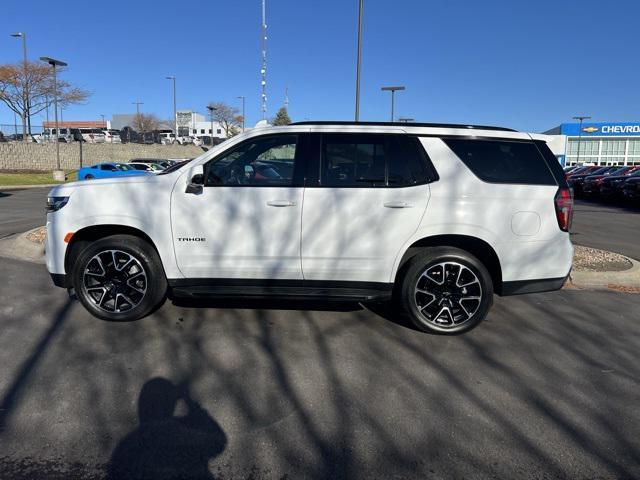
439 217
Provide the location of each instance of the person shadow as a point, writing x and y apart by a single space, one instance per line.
165 445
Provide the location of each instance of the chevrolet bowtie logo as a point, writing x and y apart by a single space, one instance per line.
590 129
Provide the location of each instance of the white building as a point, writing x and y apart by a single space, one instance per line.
194 124
607 143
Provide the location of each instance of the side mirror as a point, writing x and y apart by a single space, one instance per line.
196 180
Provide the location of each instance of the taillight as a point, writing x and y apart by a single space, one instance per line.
563 202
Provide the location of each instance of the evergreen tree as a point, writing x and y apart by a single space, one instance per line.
281 118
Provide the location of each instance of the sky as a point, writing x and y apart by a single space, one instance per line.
529 65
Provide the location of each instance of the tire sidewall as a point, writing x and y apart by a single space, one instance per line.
148 258
422 262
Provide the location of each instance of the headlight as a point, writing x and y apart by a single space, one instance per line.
56 203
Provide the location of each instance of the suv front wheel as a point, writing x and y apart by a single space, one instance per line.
446 290
119 278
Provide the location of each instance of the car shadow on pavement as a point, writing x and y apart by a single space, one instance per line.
166 445
267 304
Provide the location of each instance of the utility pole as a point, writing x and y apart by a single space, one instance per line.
359 61
243 119
25 88
581 119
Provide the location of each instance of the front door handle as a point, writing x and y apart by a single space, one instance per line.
281 203
398 205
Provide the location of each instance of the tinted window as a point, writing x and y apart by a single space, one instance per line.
503 161
553 163
265 161
110 168
365 160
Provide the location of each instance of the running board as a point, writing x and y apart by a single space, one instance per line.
272 289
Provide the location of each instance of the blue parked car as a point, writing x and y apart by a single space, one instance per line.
109 170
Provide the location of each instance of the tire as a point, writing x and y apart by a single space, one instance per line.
89 177
129 292
454 305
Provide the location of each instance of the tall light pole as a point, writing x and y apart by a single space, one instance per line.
581 118
103 124
393 92
58 174
242 98
359 61
25 89
137 103
211 109
175 113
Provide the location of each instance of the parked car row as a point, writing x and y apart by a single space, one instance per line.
97 135
136 167
607 183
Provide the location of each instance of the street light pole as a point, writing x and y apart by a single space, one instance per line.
242 97
175 113
58 174
25 88
359 61
581 118
393 91
211 109
137 103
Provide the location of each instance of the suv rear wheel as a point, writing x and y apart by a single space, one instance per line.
446 290
119 278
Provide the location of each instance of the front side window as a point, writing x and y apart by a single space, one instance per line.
371 160
265 161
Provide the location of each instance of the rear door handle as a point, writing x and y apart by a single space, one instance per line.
281 203
398 205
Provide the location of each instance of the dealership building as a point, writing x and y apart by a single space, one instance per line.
607 143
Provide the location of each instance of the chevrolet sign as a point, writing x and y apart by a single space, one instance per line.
620 129
604 129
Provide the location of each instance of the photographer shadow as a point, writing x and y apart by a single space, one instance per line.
165 445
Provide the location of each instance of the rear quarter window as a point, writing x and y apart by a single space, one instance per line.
503 161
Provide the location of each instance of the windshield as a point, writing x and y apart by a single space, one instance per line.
174 167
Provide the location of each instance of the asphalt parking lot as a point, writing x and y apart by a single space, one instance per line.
547 387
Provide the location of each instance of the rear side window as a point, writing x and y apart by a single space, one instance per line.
553 163
370 160
503 161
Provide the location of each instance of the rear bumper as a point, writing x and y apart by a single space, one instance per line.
59 280
532 286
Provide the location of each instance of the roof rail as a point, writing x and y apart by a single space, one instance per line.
407 124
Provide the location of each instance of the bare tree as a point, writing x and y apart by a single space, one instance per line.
228 117
145 122
37 81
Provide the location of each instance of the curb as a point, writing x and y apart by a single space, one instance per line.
19 248
25 187
629 278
